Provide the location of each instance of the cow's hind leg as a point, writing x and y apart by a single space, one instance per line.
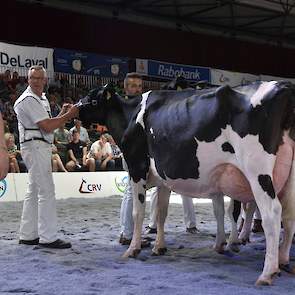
162 210
288 219
139 203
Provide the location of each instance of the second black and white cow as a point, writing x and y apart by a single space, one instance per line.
238 142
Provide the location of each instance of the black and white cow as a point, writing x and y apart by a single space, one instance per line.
238 142
105 106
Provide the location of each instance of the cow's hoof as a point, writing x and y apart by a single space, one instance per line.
287 268
234 247
159 251
220 249
263 282
267 281
131 253
244 241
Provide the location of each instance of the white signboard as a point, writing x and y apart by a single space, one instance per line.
68 185
23 57
142 66
221 77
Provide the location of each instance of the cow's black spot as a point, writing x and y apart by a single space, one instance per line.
227 147
237 210
266 184
141 198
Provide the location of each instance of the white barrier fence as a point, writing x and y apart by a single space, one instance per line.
68 185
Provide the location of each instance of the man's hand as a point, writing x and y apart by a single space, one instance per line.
72 111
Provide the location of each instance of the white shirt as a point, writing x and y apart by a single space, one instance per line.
95 147
31 109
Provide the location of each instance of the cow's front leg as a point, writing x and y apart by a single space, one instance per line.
139 202
218 208
162 210
270 209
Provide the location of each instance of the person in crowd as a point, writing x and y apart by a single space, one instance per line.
77 153
62 137
117 154
9 114
82 131
4 161
54 107
57 164
13 153
21 86
36 126
13 82
101 152
4 89
93 133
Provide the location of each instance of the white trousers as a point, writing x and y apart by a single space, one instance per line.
39 209
189 215
126 218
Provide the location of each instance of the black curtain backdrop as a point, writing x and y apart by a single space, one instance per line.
46 27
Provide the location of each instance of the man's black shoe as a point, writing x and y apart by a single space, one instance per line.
58 244
29 242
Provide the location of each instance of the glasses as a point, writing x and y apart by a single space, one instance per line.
36 78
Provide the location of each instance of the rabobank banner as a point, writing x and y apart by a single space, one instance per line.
83 63
23 57
221 77
170 71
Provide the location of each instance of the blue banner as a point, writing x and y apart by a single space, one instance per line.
170 71
83 63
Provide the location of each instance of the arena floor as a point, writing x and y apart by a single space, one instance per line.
94 264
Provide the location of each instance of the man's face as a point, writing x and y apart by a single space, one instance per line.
37 81
134 87
76 136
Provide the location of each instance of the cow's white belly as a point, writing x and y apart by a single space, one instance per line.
226 172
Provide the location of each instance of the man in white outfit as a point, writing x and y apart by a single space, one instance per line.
39 220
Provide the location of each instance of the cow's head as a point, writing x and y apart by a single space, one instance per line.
93 108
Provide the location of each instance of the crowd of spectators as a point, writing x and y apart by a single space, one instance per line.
75 148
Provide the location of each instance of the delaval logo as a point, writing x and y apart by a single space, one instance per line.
88 188
3 187
20 61
170 72
121 183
